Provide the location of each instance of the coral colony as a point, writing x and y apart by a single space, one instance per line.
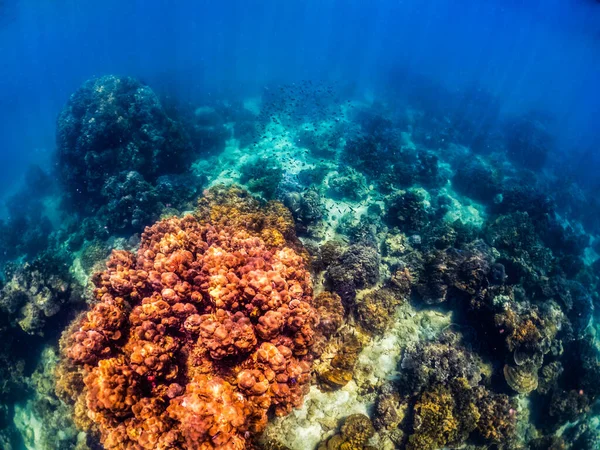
298 271
197 336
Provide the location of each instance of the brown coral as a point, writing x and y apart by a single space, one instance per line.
339 371
523 379
232 206
374 310
390 409
195 338
497 415
353 435
442 416
331 312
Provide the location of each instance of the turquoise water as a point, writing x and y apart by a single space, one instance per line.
300 225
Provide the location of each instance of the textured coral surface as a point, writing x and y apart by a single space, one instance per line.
198 336
114 124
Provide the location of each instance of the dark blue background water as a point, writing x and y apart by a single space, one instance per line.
542 54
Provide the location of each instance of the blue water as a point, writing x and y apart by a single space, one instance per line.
412 105
531 55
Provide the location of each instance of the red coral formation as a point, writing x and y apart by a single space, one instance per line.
195 338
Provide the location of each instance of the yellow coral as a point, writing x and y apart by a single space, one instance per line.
443 416
353 435
339 371
523 379
435 424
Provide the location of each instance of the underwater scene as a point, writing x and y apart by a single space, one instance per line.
299 225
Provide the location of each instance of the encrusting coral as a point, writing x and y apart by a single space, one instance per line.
374 311
443 382
440 420
339 370
194 339
353 435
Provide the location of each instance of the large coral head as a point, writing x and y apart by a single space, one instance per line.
194 339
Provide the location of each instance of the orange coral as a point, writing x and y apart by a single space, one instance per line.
195 338
232 206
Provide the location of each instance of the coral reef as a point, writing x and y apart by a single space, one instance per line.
353 435
111 125
390 410
306 207
443 382
331 312
356 268
194 339
439 363
357 430
370 152
457 273
232 206
528 141
92 254
338 371
348 184
13 383
43 419
262 177
441 418
475 179
130 201
523 379
375 309
407 211
36 291
455 314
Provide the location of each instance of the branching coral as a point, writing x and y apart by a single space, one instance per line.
195 338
